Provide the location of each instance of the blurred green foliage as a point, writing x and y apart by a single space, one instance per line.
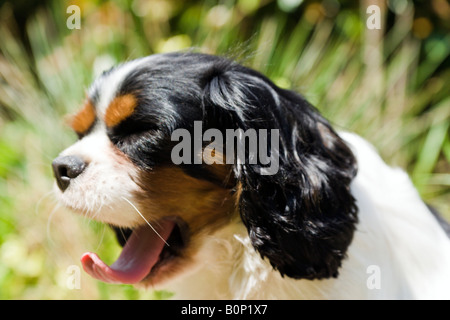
390 86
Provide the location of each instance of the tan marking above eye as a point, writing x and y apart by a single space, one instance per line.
119 109
84 119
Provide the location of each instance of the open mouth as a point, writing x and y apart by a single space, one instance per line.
145 250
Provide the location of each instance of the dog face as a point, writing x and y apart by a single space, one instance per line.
121 172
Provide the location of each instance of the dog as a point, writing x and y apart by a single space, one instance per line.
333 222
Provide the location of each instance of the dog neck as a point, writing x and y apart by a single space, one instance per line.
232 269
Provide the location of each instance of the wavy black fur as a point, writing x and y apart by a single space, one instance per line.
303 217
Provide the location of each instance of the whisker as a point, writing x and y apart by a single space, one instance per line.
49 220
101 237
122 233
38 203
134 207
93 216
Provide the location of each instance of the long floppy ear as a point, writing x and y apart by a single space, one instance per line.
302 217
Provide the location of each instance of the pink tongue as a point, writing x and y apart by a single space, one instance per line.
137 259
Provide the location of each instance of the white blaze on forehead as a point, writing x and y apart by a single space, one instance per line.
107 86
94 147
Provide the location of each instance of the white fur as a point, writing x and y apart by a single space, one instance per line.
98 190
399 250
110 84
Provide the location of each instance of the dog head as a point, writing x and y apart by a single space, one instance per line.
122 171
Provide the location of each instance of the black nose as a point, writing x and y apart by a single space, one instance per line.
67 168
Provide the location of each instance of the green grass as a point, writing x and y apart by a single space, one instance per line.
391 89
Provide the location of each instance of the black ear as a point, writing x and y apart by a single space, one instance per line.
301 218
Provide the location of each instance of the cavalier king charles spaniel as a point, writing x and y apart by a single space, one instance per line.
331 221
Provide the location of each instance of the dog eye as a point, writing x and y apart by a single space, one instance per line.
130 131
132 126
141 147
122 140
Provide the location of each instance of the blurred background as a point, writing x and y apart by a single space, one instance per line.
390 85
